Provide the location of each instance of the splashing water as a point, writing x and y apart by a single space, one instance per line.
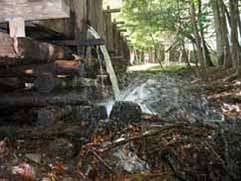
136 92
169 97
109 67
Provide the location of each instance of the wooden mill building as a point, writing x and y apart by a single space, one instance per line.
57 25
46 73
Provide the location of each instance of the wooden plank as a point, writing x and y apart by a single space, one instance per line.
74 27
17 27
33 9
119 22
40 32
37 31
117 10
122 30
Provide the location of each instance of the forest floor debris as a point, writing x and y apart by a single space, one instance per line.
152 149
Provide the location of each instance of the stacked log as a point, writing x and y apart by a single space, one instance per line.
30 51
43 77
40 77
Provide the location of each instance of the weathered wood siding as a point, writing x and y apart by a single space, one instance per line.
33 9
82 12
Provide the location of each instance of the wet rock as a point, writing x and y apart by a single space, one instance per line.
44 118
68 179
126 111
89 116
26 171
46 179
34 157
88 113
61 148
128 161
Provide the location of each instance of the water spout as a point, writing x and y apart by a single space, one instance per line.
101 72
109 67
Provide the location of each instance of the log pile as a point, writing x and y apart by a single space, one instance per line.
43 76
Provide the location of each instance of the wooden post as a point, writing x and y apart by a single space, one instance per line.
126 51
118 43
114 28
122 47
95 15
109 30
116 39
80 13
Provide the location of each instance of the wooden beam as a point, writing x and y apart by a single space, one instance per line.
92 42
117 10
122 30
30 51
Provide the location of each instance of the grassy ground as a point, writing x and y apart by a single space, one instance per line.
169 69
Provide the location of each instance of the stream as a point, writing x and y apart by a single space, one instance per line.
170 96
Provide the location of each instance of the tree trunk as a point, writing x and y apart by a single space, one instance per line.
207 54
180 56
218 30
234 14
38 100
184 52
239 21
225 40
205 51
198 42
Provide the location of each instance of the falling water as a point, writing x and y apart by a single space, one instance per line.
109 67
101 71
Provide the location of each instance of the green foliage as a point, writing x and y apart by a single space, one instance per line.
152 22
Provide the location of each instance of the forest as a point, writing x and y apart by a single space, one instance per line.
120 90
210 28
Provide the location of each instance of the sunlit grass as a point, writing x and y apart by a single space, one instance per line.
168 69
